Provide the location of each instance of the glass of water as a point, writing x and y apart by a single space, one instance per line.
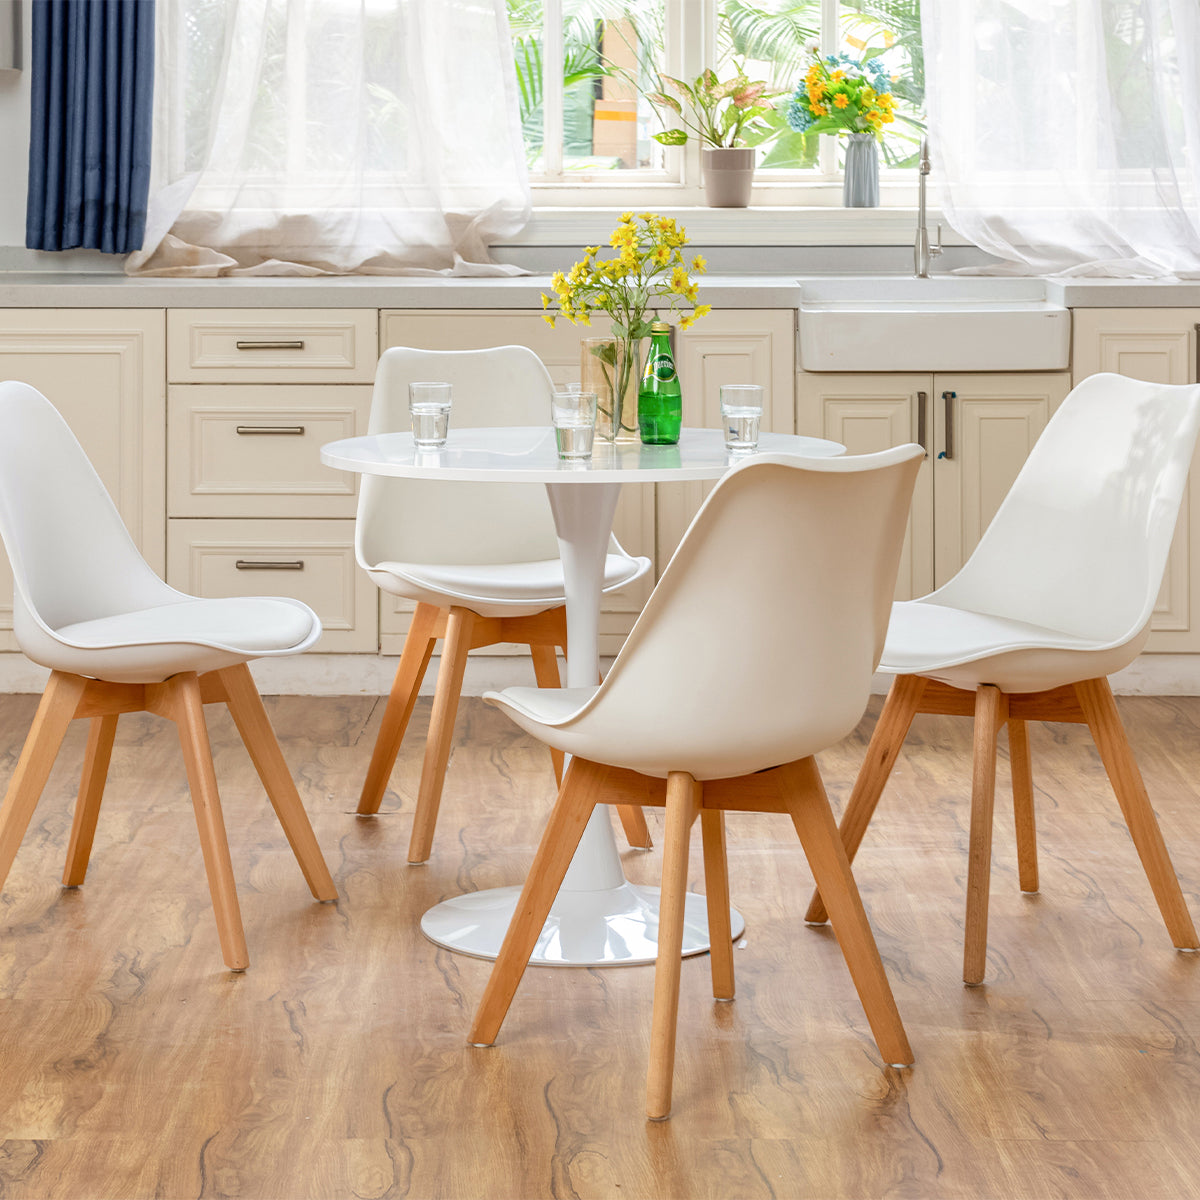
429 407
573 412
741 411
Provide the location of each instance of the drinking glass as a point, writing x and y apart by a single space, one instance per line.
429 407
573 412
741 410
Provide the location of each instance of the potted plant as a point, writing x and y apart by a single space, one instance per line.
725 117
649 263
839 94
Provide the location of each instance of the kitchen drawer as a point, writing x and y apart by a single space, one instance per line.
230 345
310 560
238 450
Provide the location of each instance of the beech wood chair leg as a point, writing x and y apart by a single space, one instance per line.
1023 811
578 797
989 713
633 822
809 809
886 741
181 695
441 731
250 716
1104 721
716 889
545 671
96 758
683 803
414 659
55 712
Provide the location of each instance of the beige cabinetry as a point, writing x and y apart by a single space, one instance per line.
252 397
104 371
1160 345
977 429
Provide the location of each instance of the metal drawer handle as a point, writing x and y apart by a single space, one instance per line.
922 407
949 398
270 429
297 344
267 564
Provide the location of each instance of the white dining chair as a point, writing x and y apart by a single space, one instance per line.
755 651
1056 597
117 639
480 560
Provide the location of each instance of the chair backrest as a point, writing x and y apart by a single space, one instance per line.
758 644
72 557
414 521
1080 542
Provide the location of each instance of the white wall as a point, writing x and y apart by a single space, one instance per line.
14 142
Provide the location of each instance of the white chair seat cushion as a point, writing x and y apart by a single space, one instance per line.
545 706
254 625
965 649
504 587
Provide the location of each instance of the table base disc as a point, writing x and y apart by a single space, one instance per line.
612 928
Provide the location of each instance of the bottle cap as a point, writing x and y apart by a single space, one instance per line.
660 327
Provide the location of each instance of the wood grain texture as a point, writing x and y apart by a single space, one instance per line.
133 1066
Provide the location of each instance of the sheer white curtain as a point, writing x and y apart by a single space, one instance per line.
1066 133
333 136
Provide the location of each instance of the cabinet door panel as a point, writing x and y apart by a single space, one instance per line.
105 372
745 346
984 428
559 349
867 413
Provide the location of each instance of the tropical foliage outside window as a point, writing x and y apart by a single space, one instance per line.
610 52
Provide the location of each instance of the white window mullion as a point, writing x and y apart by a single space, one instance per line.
297 99
831 32
553 55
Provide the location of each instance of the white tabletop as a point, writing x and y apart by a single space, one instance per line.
527 454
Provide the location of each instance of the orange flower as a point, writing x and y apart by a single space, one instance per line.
841 101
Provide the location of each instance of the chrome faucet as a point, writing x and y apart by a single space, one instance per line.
922 250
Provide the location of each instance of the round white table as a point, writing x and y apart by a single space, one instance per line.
598 918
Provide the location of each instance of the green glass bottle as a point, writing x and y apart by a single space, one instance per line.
660 402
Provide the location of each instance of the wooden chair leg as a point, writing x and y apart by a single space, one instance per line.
246 707
441 731
179 699
545 671
580 793
809 809
633 822
55 711
890 731
91 791
418 648
1104 721
989 715
1023 811
716 889
683 804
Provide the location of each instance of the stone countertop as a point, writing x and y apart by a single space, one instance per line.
98 290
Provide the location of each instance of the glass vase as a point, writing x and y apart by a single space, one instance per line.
608 366
860 184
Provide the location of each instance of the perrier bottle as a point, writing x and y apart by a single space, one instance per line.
660 403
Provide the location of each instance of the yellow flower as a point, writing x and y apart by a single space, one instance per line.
679 280
702 310
545 300
549 319
662 255
626 218
841 101
686 320
819 110
838 74
692 291
699 265
816 89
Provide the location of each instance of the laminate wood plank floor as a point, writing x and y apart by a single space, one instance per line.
133 1065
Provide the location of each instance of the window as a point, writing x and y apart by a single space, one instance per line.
584 68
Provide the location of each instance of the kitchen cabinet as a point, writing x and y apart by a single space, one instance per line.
1160 345
977 429
252 397
104 371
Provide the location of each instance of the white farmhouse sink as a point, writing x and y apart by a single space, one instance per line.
960 323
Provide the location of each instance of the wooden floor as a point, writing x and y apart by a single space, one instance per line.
132 1065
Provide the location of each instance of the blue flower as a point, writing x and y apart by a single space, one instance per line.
798 116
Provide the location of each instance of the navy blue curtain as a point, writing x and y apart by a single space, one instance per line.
89 145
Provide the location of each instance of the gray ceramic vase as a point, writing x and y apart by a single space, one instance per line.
860 187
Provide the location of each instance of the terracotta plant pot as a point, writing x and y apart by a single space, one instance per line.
728 175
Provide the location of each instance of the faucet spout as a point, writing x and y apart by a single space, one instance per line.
923 252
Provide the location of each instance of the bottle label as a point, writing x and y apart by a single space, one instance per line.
662 367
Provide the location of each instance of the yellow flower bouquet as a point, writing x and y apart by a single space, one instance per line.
648 265
839 94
